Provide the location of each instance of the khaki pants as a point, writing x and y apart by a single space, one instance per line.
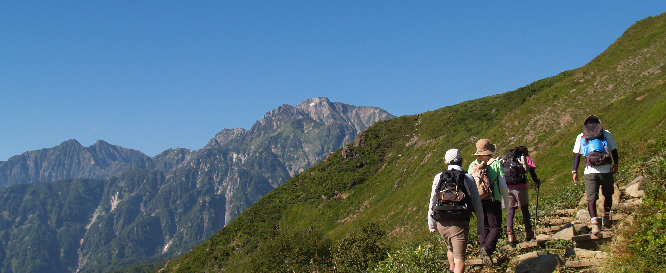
455 234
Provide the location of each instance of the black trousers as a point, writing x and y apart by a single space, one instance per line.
492 225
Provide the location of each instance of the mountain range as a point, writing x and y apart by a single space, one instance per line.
92 209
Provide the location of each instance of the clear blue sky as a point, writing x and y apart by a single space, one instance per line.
154 75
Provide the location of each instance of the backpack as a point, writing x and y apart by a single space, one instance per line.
514 167
453 200
593 145
595 151
482 179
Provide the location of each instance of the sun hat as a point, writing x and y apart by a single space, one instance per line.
452 155
484 147
590 118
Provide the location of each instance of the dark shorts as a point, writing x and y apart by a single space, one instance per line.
517 197
595 180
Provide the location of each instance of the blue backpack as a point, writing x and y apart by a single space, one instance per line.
595 151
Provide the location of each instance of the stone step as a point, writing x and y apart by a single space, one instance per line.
472 262
582 263
566 211
477 262
582 253
546 230
556 228
561 220
587 237
618 217
524 245
577 224
631 203
549 230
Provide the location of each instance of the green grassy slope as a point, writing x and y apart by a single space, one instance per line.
384 176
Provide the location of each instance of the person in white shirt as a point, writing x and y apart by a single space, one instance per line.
599 168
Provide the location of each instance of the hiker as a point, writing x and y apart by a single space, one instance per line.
598 147
455 231
489 176
517 164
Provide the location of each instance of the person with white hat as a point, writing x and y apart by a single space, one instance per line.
455 230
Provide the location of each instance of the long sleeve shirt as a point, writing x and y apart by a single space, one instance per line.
496 174
472 192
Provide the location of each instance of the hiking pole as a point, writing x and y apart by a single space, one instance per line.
536 213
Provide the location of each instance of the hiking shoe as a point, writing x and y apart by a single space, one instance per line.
595 228
512 239
485 257
607 221
529 235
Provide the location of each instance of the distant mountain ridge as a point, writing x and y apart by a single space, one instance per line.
67 160
147 207
343 122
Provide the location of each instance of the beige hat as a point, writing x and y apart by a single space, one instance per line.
452 155
484 147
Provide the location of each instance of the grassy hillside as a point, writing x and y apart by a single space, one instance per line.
376 189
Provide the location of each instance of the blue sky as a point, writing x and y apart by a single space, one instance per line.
154 75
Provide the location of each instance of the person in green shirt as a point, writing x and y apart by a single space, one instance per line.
485 167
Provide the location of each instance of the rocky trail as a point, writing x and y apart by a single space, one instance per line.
572 225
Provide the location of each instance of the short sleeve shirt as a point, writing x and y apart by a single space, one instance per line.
611 146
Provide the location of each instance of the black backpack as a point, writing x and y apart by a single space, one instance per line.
453 200
514 171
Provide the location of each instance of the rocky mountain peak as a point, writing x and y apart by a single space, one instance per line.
313 104
224 137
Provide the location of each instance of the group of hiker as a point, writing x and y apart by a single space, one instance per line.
493 183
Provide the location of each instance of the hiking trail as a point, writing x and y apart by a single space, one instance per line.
573 225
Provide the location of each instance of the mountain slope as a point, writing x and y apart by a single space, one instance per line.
384 176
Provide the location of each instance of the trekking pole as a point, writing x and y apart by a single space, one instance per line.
536 213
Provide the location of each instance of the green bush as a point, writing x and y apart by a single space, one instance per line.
424 258
361 250
297 251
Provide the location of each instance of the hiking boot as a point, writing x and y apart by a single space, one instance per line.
595 228
529 234
485 257
606 221
512 239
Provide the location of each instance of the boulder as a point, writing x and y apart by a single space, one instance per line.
565 233
542 264
542 237
583 215
635 189
638 180
585 254
530 255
